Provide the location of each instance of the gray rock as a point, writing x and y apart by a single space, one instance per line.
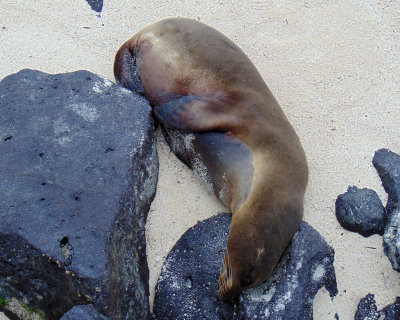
79 171
187 285
391 240
85 312
387 163
96 5
367 310
392 311
361 210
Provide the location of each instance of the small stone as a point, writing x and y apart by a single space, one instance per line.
95 5
361 210
83 312
391 240
387 163
367 309
392 311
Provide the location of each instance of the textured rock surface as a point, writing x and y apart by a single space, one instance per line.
96 5
387 163
188 282
305 268
79 170
85 312
5 316
392 311
367 310
361 210
187 286
15 310
391 240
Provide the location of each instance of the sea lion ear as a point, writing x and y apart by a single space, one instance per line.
260 252
196 114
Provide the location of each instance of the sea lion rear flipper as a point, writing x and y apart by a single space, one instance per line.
195 113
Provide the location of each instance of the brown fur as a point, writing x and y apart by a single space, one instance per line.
176 58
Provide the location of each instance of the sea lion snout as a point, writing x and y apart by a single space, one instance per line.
125 70
228 286
234 279
242 265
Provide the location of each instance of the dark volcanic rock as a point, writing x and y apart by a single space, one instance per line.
96 5
387 164
187 285
391 240
367 310
78 173
392 311
85 312
306 267
361 210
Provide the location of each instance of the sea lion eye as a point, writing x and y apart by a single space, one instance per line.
260 252
246 279
244 282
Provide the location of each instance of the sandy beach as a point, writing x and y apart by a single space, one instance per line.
333 66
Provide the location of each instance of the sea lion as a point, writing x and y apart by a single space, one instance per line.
221 119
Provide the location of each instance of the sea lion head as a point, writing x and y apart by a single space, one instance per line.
255 245
245 264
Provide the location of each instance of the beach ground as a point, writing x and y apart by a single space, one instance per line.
333 66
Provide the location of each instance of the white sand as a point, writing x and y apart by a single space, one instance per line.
333 65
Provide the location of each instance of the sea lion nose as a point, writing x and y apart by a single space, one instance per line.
125 70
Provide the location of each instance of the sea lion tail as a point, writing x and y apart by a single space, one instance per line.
125 70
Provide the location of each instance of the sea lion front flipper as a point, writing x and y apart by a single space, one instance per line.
195 113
